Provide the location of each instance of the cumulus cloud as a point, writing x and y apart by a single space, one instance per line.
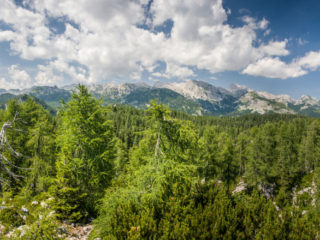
6 36
274 68
57 71
175 71
103 40
275 48
17 78
311 60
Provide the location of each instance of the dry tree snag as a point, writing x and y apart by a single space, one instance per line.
5 145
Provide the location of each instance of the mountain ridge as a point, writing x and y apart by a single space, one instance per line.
193 96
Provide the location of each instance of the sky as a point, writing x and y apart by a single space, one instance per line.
267 45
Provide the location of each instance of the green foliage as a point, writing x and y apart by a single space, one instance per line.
228 168
32 136
86 155
41 229
69 201
160 167
29 218
210 150
10 217
206 212
159 174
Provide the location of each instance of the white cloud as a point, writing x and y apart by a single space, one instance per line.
56 72
274 68
181 72
311 60
275 48
254 24
17 78
3 83
7 35
102 42
267 32
31 37
263 24
46 77
302 42
175 71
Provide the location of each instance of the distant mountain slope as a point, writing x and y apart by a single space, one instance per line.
4 98
254 102
193 97
50 95
141 97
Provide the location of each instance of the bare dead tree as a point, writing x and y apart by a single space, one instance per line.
5 145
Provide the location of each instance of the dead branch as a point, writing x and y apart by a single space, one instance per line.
4 144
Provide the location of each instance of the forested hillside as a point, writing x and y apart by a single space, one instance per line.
156 173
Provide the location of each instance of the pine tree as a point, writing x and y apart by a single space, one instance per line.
86 154
209 145
309 153
34 143
261 156
227 166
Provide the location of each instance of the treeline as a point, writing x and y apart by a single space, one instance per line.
157 174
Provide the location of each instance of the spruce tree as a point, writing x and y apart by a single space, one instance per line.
86 154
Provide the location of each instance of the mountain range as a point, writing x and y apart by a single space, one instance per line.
192 96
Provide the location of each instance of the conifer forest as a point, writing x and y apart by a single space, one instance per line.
156 173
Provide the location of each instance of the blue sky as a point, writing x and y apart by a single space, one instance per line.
296 20
267 45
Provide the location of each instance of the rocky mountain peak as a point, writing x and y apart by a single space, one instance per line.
236 87
238 90
192 96
307 100
196 89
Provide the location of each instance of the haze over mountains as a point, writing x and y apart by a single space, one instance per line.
193 97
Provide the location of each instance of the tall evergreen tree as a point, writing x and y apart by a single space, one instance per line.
86 154
228 168
209 145
36 147
309 153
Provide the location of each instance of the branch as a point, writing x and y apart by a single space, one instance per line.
3 181
15 176
5 145
11 164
